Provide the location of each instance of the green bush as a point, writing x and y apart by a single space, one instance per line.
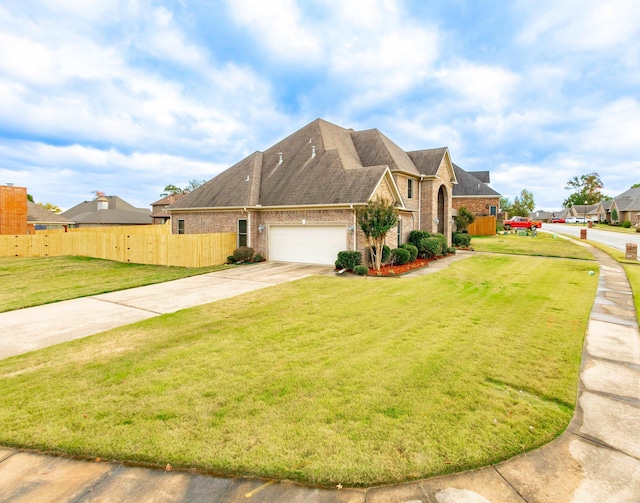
626 224
258 258
431 247
451 250
361 270
242 254
415 237
386 253
443 239
400 256
413 251
231 259
348 259
460 239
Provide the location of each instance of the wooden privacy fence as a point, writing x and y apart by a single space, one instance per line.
182 250
119 229
483 226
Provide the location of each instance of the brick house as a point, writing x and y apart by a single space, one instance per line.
39 218
159 213
297 200
13 210
473 192
627 205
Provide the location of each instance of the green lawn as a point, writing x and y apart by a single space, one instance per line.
544 244
615 228
326 380
26 282
633 273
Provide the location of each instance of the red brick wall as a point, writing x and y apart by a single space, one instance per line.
13 210
477 205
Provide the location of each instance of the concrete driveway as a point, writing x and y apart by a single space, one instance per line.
34 328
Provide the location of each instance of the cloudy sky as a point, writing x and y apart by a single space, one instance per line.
129 96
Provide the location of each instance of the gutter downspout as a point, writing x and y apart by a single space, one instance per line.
355 230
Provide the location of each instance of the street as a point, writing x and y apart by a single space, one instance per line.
617 240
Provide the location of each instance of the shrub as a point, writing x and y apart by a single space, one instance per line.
460 239
626 224
415 237
258 258
386 253
451 250
348 259
361 270
443 240
231 259
413 251
400 256
242 254
430 247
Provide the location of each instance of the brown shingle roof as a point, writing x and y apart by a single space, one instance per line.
346 169
36 214
119 212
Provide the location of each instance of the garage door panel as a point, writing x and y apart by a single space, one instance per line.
306 243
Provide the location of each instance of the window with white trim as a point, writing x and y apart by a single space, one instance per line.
242 232
181 226
410 188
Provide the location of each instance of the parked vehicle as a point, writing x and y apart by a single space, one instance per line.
521 223
556 220
575 220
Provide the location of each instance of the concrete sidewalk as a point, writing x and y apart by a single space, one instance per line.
596 460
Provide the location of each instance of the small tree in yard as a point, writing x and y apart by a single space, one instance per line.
375 220
464 219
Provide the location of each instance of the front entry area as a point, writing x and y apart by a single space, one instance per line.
307 244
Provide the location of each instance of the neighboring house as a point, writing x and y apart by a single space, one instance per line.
107 211
473 192
541 216
297 200
13 209
39 218
594 212
159 213
627 205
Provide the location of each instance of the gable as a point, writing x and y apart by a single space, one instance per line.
445 170
387 189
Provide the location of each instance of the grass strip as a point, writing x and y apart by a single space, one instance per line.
27 282
543 245
323 380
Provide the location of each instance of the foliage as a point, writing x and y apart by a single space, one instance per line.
348 259
451 249
464 218
614 215
431 247
51 207
386 253
460 239
635 185
30 198
243 254
361 270
415 237
443 240
231 259
523 204
258 258
586 190
174 189
412 249
626 224
505 205
400 256
98 193
375 220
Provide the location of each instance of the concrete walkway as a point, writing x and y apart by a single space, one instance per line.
29 329
596 460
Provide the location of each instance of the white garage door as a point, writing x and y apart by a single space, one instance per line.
307 244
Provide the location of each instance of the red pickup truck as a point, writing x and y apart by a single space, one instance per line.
521 223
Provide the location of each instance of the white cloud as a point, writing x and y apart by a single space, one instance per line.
581 24
481 86
278 26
